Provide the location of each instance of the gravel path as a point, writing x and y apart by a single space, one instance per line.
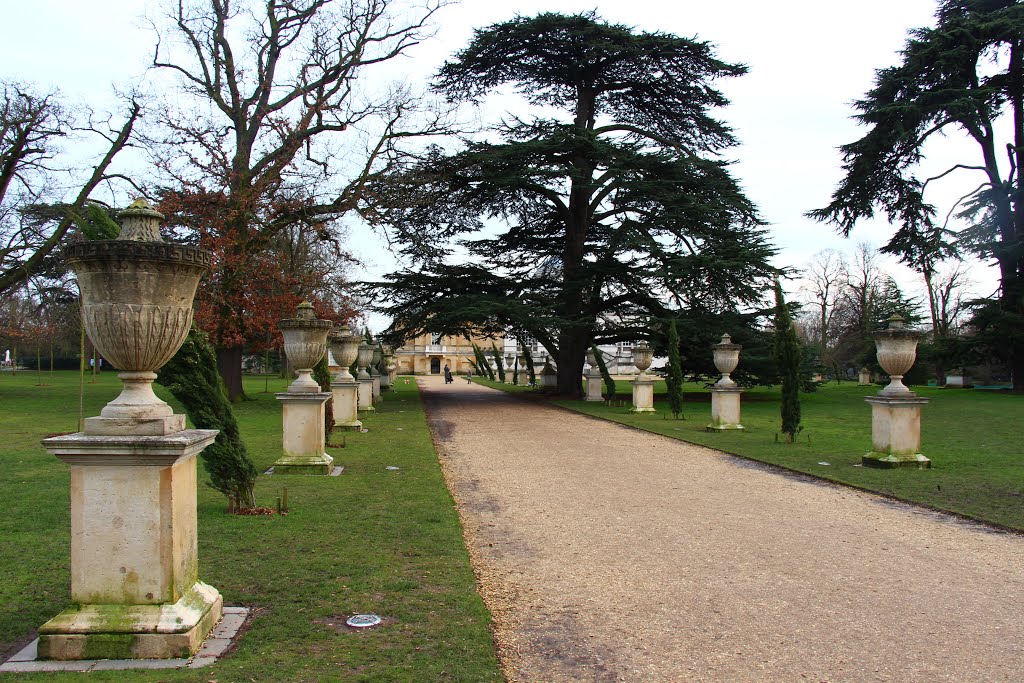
606 554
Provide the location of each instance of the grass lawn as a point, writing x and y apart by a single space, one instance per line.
973 438
371 540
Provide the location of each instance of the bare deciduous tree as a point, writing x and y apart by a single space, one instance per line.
278 99
35 169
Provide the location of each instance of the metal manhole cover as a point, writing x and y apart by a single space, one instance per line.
363 620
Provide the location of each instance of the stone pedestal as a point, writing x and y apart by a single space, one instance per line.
303 440
346 406
375 387
524 377
896 432
725 408
594 385
643 394
864 377
548 377
134 561
366 395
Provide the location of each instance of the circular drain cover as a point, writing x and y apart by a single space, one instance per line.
363 620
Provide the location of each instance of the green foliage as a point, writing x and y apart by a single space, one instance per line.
322 376
499 363
528 359
788 357
675 371
191 375
98 223
609 383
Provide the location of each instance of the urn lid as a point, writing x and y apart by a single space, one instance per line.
897 330
726 344
304 319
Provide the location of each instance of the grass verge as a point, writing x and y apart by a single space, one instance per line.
973 439
371 540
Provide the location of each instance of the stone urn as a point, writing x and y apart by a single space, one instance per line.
135 591
643 355
896 349
305 343
345 348
137 294
591 359
364 358
375 359
727 357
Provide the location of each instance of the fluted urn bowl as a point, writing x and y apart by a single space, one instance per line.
375 360
305 343
137 294
642 356
345 347
364 358
727 357
896 350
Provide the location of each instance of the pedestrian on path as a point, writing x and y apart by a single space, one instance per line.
447 374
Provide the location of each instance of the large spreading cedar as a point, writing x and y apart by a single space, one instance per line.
613 203
965 74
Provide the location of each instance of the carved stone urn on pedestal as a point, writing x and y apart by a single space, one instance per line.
387 366
643 385
344 387
375 373
303 403
509 367
594 379
725 394
134 562
365 379
896 410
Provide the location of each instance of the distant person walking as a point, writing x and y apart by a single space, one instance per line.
469 376
447 374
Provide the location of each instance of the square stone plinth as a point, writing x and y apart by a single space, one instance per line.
896 432
643 395
134 559
725 408
365 395
303 434
594 383
346 406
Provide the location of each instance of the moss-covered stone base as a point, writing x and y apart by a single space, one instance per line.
723 426
891 461
168 631
304 464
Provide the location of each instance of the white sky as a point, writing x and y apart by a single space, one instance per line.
808 59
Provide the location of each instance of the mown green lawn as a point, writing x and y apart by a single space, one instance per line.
371 540
975 440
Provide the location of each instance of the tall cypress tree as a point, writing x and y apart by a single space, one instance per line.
675 371
609 383
191 375
498 363
788 359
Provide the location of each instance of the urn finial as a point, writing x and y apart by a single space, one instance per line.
140 222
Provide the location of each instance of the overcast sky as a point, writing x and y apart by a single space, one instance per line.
808 61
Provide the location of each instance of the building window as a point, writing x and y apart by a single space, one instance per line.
435 338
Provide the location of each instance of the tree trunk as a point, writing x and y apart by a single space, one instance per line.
229 364
572 354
